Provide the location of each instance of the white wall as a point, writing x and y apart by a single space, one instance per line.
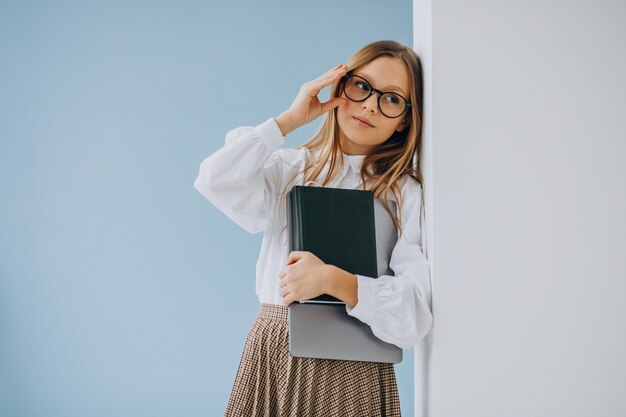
528 146
422 44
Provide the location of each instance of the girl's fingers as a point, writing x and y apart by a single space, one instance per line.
306 106
331 104
316 86
335 69
288 298
331 73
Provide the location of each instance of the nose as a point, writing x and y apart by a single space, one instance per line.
371 103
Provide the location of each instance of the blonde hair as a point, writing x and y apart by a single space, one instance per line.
388 162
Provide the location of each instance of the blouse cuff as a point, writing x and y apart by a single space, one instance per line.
270 130
369 299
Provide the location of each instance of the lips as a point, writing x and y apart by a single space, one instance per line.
364 121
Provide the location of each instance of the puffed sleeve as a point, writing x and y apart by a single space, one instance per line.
243 176
397 308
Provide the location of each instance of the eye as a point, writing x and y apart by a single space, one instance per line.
362 85
392 98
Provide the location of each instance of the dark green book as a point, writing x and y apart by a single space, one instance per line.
337 225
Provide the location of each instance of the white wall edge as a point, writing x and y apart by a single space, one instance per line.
422 44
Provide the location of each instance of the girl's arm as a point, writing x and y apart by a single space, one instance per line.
242 178
398 307
342 285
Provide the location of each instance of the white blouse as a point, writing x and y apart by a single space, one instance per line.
244 180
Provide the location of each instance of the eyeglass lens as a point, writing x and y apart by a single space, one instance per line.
358 89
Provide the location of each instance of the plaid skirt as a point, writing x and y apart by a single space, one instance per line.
270 382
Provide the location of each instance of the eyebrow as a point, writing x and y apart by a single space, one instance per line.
386 88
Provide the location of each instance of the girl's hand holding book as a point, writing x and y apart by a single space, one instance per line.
304 277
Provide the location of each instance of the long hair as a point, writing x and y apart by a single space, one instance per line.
387 162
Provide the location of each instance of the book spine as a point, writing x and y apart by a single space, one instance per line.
289 219
294 219
298 224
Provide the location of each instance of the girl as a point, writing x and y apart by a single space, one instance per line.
368 140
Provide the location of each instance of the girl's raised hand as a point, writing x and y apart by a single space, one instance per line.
306 107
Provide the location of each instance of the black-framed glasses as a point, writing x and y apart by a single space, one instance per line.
358 89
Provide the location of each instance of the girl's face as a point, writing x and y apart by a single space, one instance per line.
386 74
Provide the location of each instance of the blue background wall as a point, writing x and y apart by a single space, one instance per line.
123 292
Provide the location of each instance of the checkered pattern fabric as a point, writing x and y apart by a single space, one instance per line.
270 382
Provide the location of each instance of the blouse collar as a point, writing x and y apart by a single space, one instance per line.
350 163
353 161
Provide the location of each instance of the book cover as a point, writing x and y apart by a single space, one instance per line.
336 225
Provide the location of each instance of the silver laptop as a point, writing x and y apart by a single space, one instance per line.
325 330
